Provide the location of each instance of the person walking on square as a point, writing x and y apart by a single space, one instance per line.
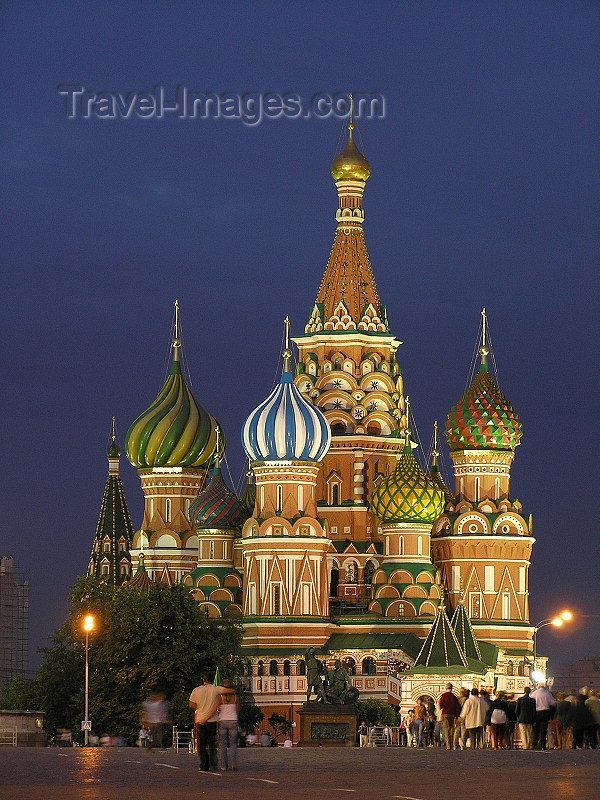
460 732
204 701
450 710
473 712
363 734
511 721
526 718
228 706
156 712
545 708
498 719
419 721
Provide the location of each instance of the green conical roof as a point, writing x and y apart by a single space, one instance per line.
461 625
441 647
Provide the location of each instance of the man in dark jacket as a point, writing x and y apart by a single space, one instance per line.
450 709
526 718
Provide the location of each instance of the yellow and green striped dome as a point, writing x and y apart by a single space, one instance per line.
175 431
407 495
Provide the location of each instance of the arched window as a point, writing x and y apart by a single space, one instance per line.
276 601
168 509
338 429
261 668
351 572
286 667
368 666
401 546
273 667
506 606
510 668
279 498
249 668
335 494
521 668
420 546
497 489
300 667
476 498
349 665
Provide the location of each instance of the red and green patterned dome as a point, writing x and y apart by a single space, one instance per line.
483 419
407 495
216 507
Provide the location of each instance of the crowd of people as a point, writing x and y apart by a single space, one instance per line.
473 718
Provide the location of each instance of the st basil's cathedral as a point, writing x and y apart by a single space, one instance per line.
342 539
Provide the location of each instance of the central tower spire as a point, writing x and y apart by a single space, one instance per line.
347 298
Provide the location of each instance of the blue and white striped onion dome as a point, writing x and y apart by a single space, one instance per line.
286 427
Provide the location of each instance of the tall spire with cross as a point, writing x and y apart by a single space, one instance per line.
348 299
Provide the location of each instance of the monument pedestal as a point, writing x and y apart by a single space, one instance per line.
324 725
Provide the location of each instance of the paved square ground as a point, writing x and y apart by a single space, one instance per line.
299 774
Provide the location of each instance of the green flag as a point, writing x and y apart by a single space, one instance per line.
217 677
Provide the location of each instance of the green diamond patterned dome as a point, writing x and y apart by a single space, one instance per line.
407 495
483 419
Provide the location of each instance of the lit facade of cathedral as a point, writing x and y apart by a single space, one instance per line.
341 540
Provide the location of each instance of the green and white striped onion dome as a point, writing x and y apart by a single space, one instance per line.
175 431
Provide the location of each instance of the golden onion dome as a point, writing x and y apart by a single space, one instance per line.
350 165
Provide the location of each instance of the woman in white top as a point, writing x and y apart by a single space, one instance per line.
228 728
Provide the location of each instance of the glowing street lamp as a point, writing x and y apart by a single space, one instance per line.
557 622
88 625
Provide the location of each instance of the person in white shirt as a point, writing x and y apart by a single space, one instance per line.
204 701
545 708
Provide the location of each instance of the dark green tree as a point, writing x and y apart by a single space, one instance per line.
144 640
21 695
372 711
281 725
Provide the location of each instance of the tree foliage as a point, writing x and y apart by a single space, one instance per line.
144 640
372 711
281 725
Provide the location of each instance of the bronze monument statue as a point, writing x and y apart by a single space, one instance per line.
333 686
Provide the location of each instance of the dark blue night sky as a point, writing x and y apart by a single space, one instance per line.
484 191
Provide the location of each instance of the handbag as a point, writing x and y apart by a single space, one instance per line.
498 716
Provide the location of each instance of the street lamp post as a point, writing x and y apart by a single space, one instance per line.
88 625
558 622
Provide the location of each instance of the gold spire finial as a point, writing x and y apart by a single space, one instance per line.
483 350
176 339
217 446
351 115
113 431
435 452
407 429
287 353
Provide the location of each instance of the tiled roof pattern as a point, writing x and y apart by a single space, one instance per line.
407 495
483 419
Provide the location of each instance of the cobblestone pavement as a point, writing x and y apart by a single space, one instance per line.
307 773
